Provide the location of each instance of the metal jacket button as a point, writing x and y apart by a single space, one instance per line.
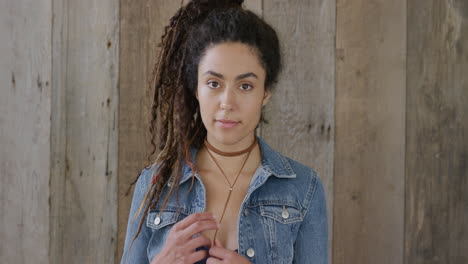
250 252
246 212
285 213
157 220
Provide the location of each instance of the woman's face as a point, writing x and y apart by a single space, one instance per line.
231 94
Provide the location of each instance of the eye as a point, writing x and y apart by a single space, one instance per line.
246 87
216 84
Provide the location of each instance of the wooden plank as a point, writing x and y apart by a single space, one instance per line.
437 133
370 132
142 24
84 138
58 134
25 81
302 107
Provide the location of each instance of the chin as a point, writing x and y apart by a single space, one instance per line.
229 137
226 138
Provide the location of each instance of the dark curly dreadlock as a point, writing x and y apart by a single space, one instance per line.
195 27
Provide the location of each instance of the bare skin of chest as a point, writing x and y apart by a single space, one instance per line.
217 190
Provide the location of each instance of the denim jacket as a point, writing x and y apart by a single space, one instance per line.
283 218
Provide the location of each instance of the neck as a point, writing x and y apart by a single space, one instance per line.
229 164
231 147
230 154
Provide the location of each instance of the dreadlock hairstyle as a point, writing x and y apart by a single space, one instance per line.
194 28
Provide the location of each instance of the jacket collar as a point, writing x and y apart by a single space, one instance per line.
272 162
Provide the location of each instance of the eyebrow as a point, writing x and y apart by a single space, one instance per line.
242 76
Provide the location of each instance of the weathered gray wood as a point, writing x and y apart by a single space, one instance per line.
437 133
370 132
58 133
25 95
142 24
84 132
301 110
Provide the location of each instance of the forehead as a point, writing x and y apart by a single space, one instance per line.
231 58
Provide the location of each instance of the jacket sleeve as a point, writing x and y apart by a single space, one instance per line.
138 251
311 245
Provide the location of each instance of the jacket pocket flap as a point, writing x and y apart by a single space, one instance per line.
158 220
282 213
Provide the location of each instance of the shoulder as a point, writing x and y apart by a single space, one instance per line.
145 177
295 176
306 181
301 169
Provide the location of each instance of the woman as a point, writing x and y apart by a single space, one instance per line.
217 193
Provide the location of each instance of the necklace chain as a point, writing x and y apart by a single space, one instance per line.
231 187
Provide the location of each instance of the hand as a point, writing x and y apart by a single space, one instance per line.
219 254
179 247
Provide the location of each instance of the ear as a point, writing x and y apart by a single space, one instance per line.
196 94
266 97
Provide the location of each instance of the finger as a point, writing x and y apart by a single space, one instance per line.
197 242
199 227
212 260
197 256
189 220
219 252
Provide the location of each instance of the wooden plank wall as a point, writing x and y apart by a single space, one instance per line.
373 96
436 214
370 134
83 175
25 96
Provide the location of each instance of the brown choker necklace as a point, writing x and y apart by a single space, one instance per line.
229 154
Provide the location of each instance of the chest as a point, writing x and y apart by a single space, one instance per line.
266 227
219 199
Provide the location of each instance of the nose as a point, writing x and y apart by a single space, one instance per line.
227 99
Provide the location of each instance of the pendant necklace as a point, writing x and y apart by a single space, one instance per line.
228 154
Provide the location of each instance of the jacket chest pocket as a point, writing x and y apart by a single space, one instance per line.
280 223
282 213
161 224
157 220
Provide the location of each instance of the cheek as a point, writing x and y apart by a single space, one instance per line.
207 108
204 99
251 111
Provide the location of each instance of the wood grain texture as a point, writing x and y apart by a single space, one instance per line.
142 25
437 133
370 132
84 132
58 133
301 111
25 96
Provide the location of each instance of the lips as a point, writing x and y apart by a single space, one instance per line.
226 123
